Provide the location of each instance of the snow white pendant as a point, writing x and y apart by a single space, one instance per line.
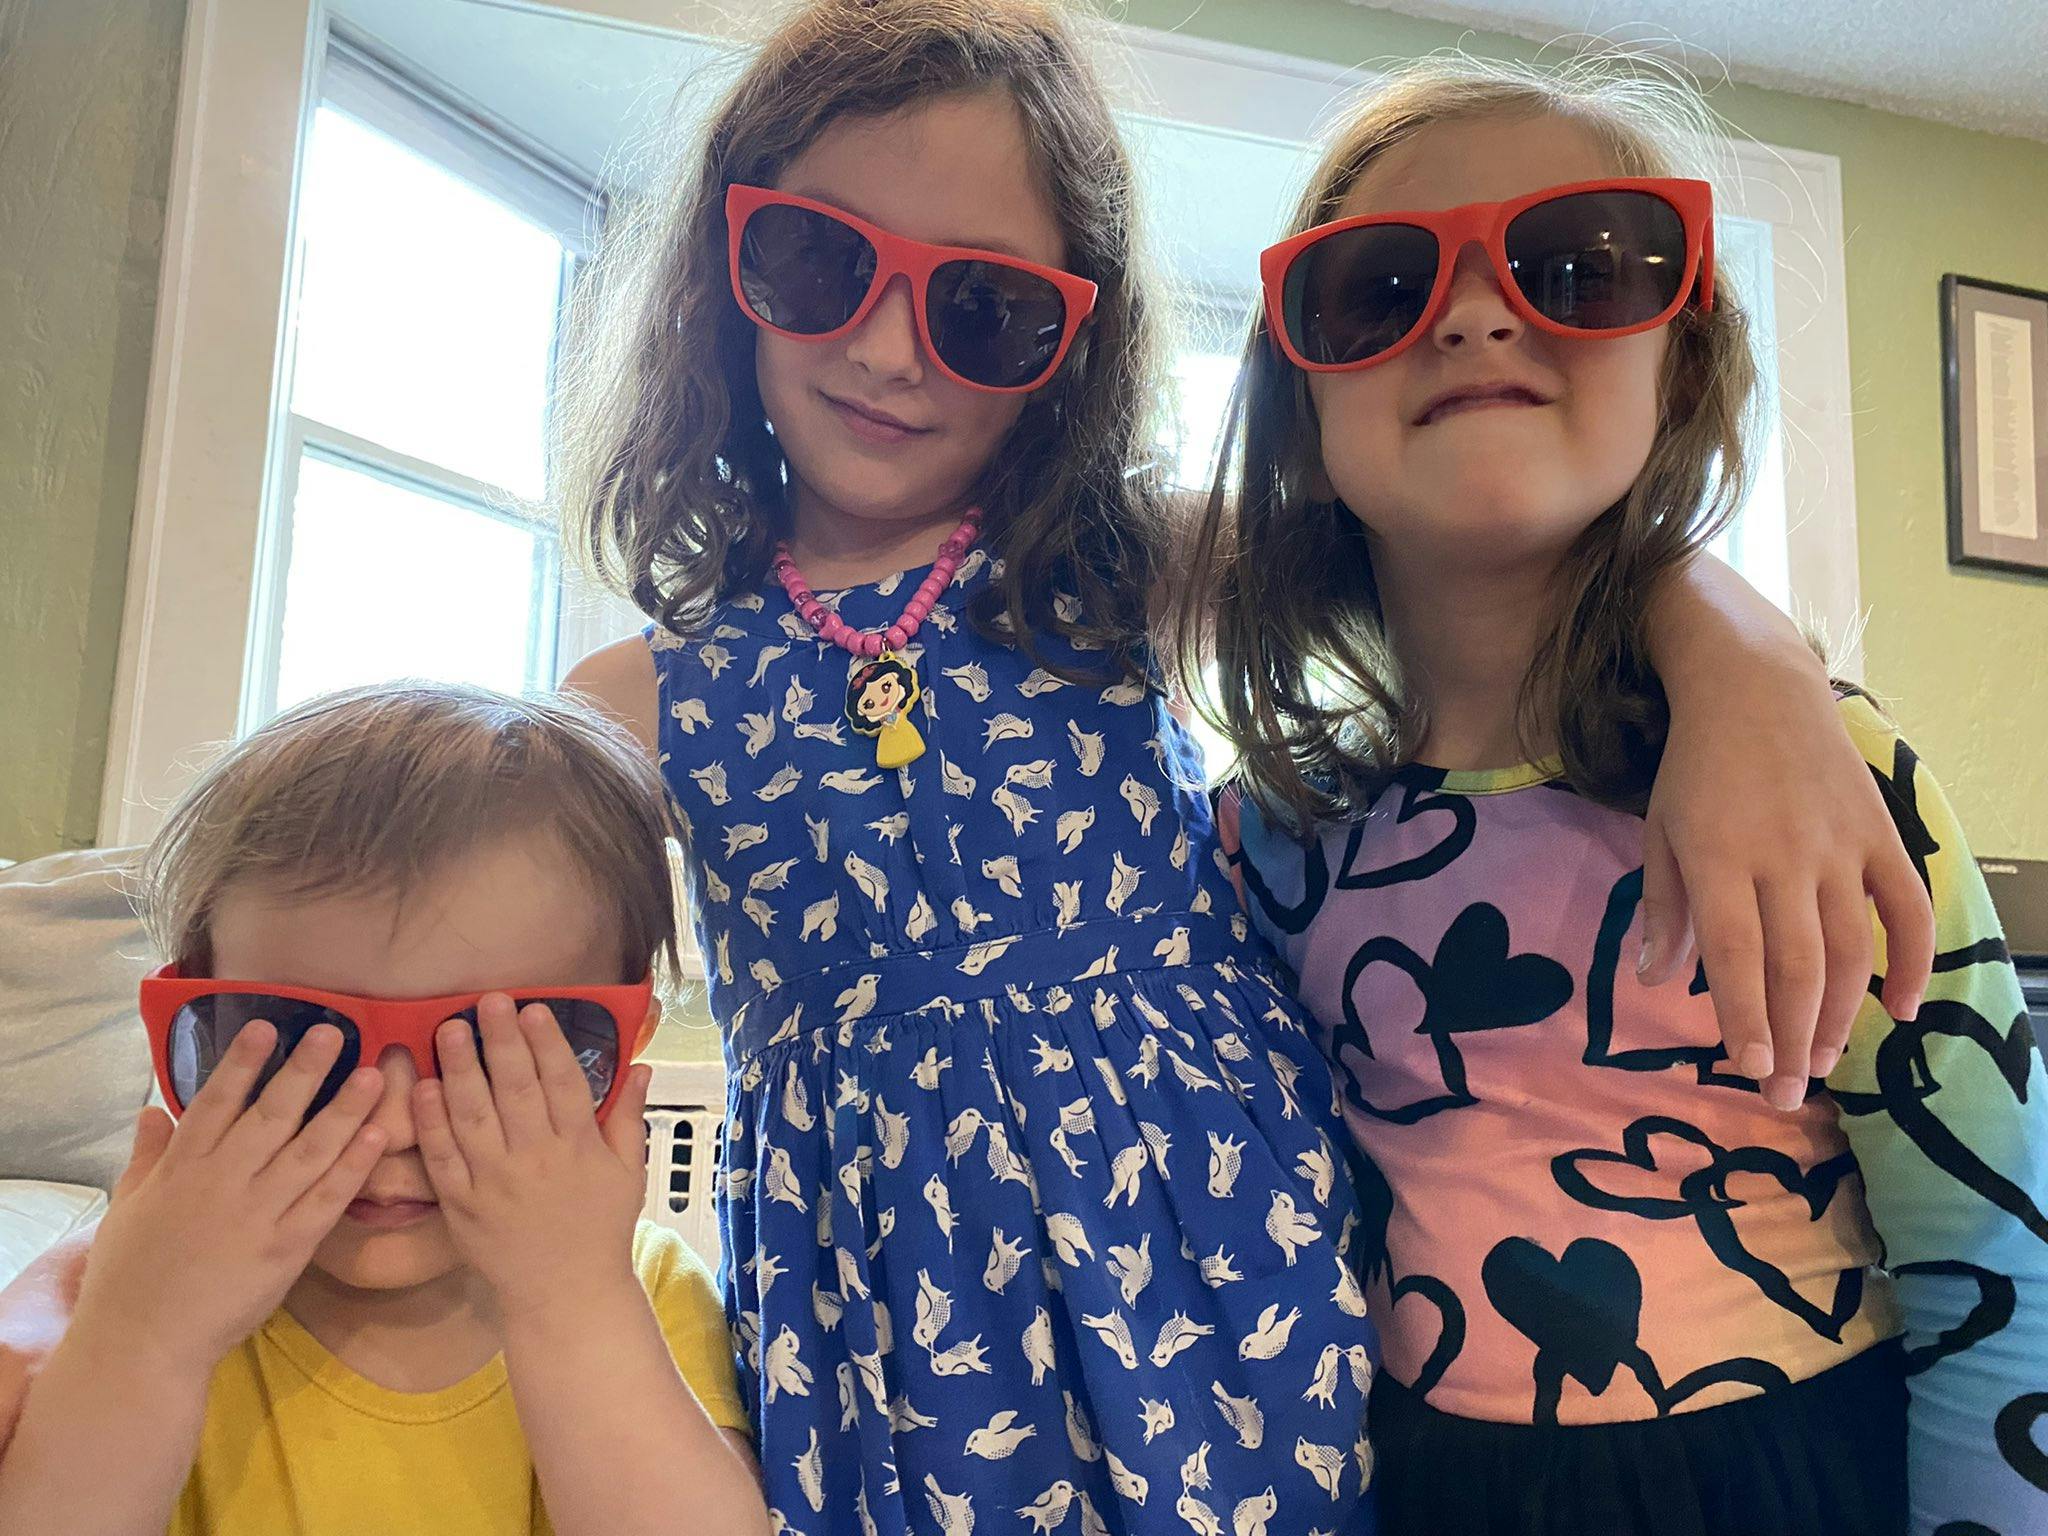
880 694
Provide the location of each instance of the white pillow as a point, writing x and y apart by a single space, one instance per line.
74 1062
35 1216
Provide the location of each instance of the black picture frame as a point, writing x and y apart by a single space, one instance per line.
2012 534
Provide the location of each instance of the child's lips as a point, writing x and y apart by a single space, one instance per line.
388 1215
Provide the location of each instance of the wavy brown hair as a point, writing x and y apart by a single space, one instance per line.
669 482
1307 688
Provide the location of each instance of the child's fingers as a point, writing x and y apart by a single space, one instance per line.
1666 916
471 1115
625 1124
515 1084
152 1134
316 1211
262 1130
225 1093
1795 975
1845 930
1907 913
562 1083
308 1155
447 1169
1731 948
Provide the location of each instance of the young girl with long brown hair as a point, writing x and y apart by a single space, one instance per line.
1497 398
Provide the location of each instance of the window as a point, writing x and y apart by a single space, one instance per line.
432 263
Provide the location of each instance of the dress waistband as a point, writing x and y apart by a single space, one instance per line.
913 981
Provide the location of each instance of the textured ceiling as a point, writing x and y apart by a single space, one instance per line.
1977 63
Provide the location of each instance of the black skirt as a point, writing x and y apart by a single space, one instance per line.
1823 1457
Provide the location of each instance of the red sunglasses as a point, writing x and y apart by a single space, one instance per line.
812 272
191 1021
1591 259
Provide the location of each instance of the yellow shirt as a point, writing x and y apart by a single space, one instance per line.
297 1444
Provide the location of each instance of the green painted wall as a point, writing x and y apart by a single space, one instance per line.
88 96
1961 655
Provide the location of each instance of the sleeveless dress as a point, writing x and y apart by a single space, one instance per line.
1033 1197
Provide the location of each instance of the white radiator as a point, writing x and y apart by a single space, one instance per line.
685 1114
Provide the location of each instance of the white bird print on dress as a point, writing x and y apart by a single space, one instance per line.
960 1359
821 836
1360 1360
981 956
827 1308
1191 1075
1088 748
1066 904
771 877
1177 856
903 1418
782 1370
1072 827
796 700
921 921
833 731
972 677
747 835
1038 1346
1105 965
1174 949
953 780
1226 1160
810 1473
1076 1119
1320 1169
770 654
891 827
711 779
965 915
850 1282
1127 1483
1194 1473
955 1511
1005 727
1123 881
1048 1512
858 1000
1125 693
1178 1333
1051 1058
1040 681
1116 1333
1269 1338
1124 1171
895 1133
1242 1414
722 957
1156 1417
688 714
850 781
1005 1258
1251 1515
1322 1385
821 919
1131 1267
1021 812
796 1102
1143 801
762 914
1004 872
759 731
872 882
940 1200
996 1440
784 782
1291 1229
1069 1238
926 1073
1080 1433
781 1184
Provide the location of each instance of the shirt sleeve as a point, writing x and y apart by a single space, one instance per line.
692 1318
1947 1114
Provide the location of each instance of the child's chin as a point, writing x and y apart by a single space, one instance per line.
370 1260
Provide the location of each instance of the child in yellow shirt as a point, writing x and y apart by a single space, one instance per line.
383 1274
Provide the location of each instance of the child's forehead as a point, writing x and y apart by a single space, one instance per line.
504 916
1479 160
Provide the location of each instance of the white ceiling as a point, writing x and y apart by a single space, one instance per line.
1976 63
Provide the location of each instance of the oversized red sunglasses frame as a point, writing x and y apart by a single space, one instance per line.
915 260
382 1022
1486 224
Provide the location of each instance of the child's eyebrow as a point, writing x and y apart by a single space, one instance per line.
974 242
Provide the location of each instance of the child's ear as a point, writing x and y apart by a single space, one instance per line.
648 1026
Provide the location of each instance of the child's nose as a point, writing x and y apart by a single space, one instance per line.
1477 311
887 343
393 1114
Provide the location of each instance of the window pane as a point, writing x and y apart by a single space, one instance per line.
1755 541
388 582
426 310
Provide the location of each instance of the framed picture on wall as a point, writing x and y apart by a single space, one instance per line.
1994 385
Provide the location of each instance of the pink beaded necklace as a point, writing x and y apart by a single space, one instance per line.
881 687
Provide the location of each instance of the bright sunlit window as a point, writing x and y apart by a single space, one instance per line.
423 334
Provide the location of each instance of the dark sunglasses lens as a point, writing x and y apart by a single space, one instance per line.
803 271
593 1039
1353 295
1599 261
995 325
205 1027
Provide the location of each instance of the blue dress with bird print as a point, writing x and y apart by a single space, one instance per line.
1033 1197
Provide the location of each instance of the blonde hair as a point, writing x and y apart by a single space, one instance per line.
1307 689
374 790
670 484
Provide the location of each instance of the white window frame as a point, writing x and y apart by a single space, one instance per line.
248 88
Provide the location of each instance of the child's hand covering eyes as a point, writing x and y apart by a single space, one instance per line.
214 1220
539 1198
1765 843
